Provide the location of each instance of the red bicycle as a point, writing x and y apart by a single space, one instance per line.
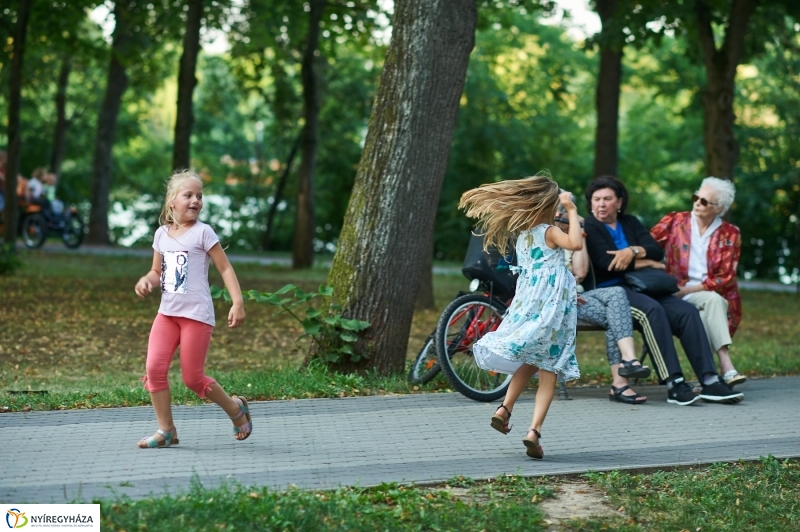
466 320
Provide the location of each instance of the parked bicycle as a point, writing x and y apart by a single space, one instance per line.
464 321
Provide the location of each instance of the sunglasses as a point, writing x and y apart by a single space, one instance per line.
704 202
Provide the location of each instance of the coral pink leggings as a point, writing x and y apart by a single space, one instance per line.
167 334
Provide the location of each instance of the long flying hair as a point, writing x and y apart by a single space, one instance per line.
507 208
173 186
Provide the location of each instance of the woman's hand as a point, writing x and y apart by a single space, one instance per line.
143 287
622 259
236 315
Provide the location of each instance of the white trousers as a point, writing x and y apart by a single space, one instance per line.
714 314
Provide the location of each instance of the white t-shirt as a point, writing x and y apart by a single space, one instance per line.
184 272
698 252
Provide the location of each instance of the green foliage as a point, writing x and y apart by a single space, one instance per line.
332 335
9 260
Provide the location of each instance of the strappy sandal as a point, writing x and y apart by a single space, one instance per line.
170 438
500 423
630 370
532 447
245 428
627 399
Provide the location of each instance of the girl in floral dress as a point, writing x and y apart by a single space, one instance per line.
538 332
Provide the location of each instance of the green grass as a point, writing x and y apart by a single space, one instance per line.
746 496
758 496
72 325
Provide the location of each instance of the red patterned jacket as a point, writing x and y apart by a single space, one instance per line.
674 234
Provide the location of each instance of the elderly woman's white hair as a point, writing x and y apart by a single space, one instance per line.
724 190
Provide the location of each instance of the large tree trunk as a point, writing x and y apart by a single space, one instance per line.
181 151
266 241
609 79
389 220
107 127
60 133
425 299
720 64
303 251
14 129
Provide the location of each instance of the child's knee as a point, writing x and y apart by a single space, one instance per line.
199 384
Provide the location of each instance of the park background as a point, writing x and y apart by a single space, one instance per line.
528 104
273 110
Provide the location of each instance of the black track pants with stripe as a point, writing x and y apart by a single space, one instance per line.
658 319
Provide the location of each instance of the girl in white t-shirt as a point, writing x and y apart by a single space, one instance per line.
183 246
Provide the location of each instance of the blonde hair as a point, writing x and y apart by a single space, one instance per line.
506 208
173 186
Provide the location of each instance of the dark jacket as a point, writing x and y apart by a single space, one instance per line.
599 241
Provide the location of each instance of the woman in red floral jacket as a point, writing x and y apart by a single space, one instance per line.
702 251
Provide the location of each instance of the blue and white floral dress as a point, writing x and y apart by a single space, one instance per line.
539 327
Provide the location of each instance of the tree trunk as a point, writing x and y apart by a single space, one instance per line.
609 79
181 151
266 241
107 127
60 133
722 150
389 222
303 251
425 299
14 129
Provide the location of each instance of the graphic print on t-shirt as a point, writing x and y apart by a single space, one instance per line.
174 269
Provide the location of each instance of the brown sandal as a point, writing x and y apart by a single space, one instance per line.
500 423
532 447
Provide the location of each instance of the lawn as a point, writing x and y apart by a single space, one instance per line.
747 496
72 326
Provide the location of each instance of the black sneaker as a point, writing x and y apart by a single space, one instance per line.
681 393
719 392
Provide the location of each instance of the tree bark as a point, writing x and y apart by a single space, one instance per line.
721 147
60 133
14 129
425 299
181 151
389 222
609 79
267 239
303 249
107 127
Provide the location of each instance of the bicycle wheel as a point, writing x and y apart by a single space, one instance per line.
425 367
73 231
465 320
34 230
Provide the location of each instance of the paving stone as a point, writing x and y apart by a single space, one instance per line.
324 443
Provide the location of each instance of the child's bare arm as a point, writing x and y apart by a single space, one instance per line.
146 283
573 240
223 265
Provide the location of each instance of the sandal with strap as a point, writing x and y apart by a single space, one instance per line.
244 428
170 438
633 369
618 396
532 447
500 423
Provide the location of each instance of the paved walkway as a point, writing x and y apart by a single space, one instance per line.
322 443
770 286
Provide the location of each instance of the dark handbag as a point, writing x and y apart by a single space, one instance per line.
651 282
491 267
